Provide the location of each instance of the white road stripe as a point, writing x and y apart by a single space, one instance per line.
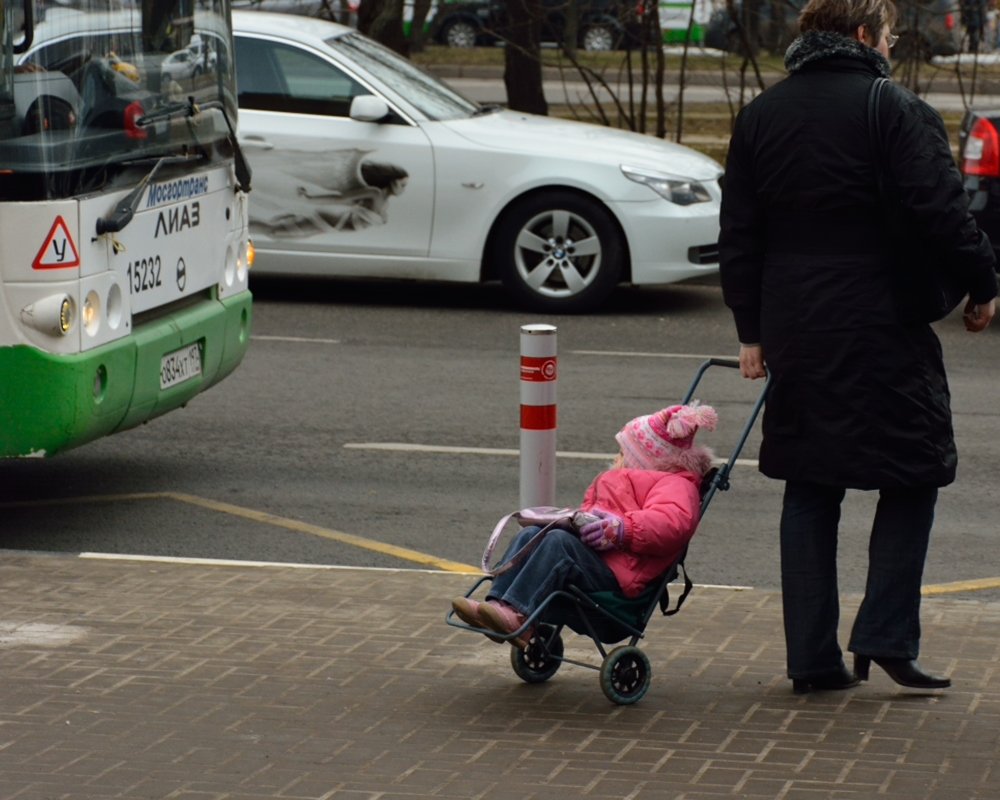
235 562
294 339
230 562
633 354
402 447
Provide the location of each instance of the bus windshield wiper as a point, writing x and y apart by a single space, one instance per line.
125 210
168 111
190 109
240 164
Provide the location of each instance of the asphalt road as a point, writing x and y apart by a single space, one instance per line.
491 90
390 413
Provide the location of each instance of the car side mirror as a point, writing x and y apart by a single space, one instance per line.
369 108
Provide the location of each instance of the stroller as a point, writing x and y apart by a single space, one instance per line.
610 617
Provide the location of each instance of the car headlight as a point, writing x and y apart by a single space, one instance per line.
682 191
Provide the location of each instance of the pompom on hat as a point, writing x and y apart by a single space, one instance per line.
664 441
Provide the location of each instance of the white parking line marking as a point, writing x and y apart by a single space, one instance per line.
232 562
444 566
235 562
403 447
294 339
633 354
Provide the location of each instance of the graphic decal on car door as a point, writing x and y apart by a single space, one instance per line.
323 192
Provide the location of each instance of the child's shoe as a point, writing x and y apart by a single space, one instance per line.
467 610
503 618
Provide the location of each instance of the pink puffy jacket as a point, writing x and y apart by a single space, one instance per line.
661 511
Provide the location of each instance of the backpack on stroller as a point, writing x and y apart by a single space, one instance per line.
610 617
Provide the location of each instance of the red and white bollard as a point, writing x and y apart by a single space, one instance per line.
538 415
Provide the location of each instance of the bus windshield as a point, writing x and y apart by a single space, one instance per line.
91 88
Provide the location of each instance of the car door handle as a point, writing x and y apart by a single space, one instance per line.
258 142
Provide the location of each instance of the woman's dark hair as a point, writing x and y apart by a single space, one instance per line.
844 16
381 175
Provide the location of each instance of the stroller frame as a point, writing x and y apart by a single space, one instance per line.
625 671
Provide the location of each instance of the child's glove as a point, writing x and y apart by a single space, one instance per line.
606 532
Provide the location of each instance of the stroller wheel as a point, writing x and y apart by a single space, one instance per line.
625 675
541 659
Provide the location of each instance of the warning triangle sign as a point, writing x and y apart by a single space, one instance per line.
59 251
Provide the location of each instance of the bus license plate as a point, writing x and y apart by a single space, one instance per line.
179 366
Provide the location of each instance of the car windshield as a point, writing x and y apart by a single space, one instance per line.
429 95
85 92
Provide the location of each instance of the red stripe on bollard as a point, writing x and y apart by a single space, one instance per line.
538 418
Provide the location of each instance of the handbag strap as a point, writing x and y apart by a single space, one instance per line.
521 554
875 130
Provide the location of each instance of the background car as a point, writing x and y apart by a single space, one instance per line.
182 66
925 28
603 24
93 82
325 9
364 165
979 159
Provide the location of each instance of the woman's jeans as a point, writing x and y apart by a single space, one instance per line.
559 559
888 621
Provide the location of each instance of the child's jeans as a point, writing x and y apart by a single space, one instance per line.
557 561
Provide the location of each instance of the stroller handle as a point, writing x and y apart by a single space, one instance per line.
720 480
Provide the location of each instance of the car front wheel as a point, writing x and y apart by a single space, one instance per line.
559 252
460 34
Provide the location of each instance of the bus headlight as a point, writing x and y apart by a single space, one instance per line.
91 315
114 306
54 314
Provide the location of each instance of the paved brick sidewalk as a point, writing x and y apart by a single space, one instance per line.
157 680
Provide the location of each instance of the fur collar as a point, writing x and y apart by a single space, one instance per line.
818 45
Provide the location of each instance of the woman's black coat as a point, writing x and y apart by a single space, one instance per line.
810 268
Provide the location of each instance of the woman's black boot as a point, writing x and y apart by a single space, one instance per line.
833 680
904 671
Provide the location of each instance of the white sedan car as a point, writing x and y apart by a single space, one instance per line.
364 165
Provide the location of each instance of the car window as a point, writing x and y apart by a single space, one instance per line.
277 77
70 55
425 92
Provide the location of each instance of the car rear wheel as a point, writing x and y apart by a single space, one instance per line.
460 34
559 252
599 38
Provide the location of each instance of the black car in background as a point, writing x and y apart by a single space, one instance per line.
925 27
979 160
603 24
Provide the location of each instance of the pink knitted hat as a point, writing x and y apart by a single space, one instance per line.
664 441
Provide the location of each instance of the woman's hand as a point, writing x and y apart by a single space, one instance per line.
752 361
977 316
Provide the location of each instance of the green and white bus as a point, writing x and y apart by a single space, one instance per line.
124 246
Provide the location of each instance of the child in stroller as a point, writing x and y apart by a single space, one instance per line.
639 516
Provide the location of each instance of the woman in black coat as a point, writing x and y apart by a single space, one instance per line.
813 265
